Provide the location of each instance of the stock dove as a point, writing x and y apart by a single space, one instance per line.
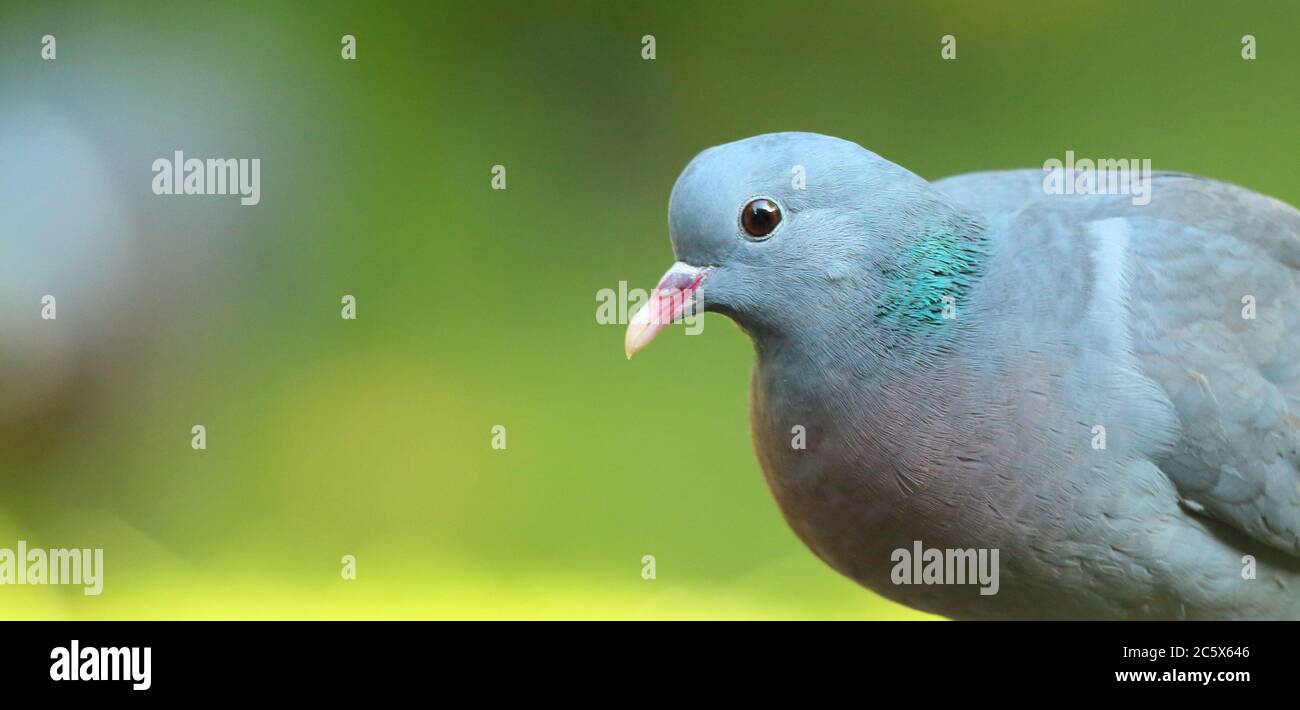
1101 391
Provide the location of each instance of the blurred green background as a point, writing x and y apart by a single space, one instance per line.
477 307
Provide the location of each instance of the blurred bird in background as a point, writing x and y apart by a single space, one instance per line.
69 269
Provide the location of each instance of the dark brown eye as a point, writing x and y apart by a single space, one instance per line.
760 217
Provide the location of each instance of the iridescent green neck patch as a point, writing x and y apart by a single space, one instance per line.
931 278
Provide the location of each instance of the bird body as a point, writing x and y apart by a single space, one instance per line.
1103 392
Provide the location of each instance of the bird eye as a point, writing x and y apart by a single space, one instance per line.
760 217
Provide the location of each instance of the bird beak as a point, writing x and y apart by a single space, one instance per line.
676 294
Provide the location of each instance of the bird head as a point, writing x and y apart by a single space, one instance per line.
777 230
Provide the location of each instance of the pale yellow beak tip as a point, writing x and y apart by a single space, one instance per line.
640 331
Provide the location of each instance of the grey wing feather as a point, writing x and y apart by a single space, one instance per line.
1214 290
